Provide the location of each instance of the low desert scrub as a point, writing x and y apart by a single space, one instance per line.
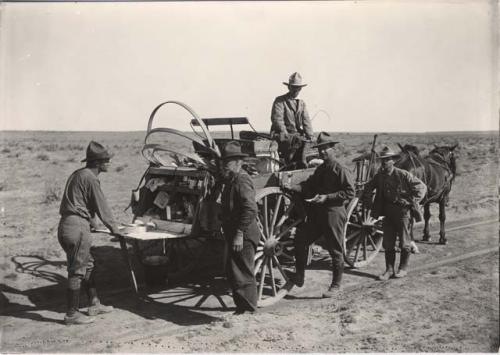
42 156
5 150
52 193
50 147
121 167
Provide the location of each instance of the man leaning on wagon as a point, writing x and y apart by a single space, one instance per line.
83 199
240 228
397 191
330 188
291 125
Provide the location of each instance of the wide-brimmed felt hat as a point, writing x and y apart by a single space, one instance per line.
324 140
386 153
232 150
295 80
96 151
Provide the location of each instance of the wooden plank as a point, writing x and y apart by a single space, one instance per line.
218 121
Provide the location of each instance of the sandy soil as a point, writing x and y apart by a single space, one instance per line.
438 308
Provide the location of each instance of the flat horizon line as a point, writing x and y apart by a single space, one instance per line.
219 131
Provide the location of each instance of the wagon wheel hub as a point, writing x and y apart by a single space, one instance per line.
272 247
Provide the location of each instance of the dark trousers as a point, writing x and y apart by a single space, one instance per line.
240 274
293 151
75 238
396 226
327 222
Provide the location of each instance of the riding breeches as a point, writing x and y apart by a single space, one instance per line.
75 238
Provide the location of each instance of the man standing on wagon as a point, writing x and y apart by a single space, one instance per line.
240 228
291 125
82 201
329 189
396 192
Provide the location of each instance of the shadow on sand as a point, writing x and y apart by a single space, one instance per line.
114 288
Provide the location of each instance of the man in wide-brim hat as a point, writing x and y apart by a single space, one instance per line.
240 228
329 189
82 200
396 192
290 123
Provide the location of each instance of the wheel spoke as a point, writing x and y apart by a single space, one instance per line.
261 230
258 255
280 268
371 242
258 265
353 235
271 274
364 246
357 252
294 224
266 223
275 214
262 277
350 224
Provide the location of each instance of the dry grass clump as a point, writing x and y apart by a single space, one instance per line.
5 150
120 168
42 157
52 193
52 147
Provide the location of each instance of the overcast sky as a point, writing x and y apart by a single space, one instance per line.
370 66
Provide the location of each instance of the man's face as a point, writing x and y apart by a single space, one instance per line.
387 165
294 90
104 165
325 152
231 165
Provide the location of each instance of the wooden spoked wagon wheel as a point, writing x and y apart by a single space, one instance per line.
362 235
278 216
179 256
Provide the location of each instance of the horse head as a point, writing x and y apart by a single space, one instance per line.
445 154
409 158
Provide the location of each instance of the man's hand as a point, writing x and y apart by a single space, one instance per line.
238 242
115 230
318 199
402 202
283 136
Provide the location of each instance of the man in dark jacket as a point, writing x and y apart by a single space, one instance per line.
240 228
291 125
329 189
82 201
396 192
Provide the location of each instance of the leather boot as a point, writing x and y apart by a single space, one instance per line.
337 273
73 316
403 264
95 307
300 266
390 258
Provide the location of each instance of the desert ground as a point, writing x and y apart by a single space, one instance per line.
448 303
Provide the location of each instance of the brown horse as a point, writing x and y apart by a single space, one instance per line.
437 170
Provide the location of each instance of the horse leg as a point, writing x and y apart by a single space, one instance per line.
427 216
442 219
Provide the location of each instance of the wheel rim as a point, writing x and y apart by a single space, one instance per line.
277 219
363 236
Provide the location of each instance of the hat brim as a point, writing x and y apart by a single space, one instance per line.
325 144
388 156
288 84
235 156
108 156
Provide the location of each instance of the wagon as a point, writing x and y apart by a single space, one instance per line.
177 229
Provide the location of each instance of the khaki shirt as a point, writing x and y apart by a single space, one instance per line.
83 197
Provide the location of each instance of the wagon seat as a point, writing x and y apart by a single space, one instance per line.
262 150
